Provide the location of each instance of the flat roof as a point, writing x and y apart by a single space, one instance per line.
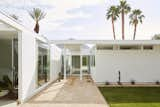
108 42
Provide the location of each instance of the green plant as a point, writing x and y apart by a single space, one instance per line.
8 82
119 83
0 89
133 82
3 85
107 83
157 82
60 76
156 37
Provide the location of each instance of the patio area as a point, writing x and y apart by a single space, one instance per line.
69 93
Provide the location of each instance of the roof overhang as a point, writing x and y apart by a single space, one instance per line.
108 42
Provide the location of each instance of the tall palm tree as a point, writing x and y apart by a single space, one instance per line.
135 17
113 14
124 8
37 15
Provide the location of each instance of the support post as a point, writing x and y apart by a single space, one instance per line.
71 64
64 58
81 67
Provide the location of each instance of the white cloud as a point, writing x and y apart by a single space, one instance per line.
73 28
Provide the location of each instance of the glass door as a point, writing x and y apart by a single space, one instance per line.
86 64
75 65
15 62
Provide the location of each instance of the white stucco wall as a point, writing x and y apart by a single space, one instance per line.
55 54
28 64
138 65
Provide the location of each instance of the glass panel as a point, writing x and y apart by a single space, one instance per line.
85 64
76 61
43 65
9 66
84 61
148 47
132 47
15 63
75 64
67 65
105 47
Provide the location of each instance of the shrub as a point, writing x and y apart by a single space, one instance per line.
133 82
157 82
119 83
3 85
107 83
8 82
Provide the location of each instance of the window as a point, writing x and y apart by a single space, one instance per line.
103 47
84 60
93 60
148 47
131 47
43 65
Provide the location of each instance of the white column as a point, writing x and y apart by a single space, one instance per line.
71 64
81 67
64 58
20 88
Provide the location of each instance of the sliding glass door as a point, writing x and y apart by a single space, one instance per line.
43 65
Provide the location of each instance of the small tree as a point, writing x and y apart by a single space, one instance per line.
156 37
37 15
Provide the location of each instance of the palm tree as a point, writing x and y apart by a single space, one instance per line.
113 14
135 17
14 16
124 8
37 15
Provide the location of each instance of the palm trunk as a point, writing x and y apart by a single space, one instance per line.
114 36
36 28
135 29
123 25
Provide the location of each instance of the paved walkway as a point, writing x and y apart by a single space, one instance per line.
69 93
8 103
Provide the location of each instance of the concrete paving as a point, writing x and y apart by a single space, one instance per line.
69 93
8 103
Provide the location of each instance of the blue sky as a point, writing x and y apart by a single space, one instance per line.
84 19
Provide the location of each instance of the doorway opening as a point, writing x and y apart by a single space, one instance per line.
8 68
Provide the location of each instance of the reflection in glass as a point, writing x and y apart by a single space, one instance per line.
43 65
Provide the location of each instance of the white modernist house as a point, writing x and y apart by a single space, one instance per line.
112 61
32 62
27 59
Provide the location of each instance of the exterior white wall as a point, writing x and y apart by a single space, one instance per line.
28 65
55 55
138 65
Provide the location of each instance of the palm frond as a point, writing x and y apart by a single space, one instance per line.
112 12
37 14
124 6
136 16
